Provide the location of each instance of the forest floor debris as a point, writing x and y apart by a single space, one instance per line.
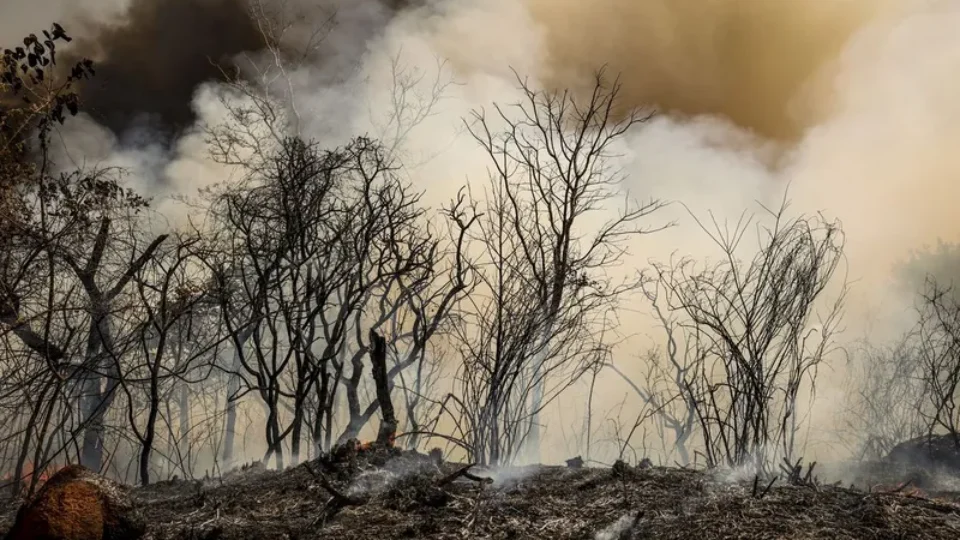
387 493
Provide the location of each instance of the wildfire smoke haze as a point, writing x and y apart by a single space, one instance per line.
152 55
849 103
755 63
844 101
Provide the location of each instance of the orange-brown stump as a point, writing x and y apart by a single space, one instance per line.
78 504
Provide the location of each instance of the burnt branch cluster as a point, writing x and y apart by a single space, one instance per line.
746 336
544 242
315 300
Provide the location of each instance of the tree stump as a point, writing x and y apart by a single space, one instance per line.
78 504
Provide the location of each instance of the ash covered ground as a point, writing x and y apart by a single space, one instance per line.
393 494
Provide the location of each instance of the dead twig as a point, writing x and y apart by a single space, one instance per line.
899 488
464 472
903 486
454 475
475 478
462 444
795 475
757 494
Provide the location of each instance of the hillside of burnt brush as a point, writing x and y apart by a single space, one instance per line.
395 494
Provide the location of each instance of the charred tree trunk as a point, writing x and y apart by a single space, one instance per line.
184 407
321 413
378 358
102 377
151 430
352 393
274 440
297 430
233 388
94 400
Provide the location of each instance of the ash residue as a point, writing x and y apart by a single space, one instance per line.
394 494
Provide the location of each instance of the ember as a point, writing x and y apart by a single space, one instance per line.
366 446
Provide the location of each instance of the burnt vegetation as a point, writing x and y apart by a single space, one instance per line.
315 302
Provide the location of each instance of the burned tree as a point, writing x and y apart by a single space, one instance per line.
378 360
885 398
753 337
664 386
902 393
87 265
175 337
69 242
551 181
67 265
412 308
32 102
315 245
938 343
912 395
505 353
285 252
372 260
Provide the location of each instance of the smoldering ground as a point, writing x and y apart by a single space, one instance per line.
850 104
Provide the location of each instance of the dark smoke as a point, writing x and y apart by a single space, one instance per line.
151 60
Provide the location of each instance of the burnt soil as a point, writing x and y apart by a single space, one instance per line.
402 495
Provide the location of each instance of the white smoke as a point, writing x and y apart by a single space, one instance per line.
877 150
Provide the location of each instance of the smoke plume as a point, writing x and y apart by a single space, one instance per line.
152 57
755 63
849 103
